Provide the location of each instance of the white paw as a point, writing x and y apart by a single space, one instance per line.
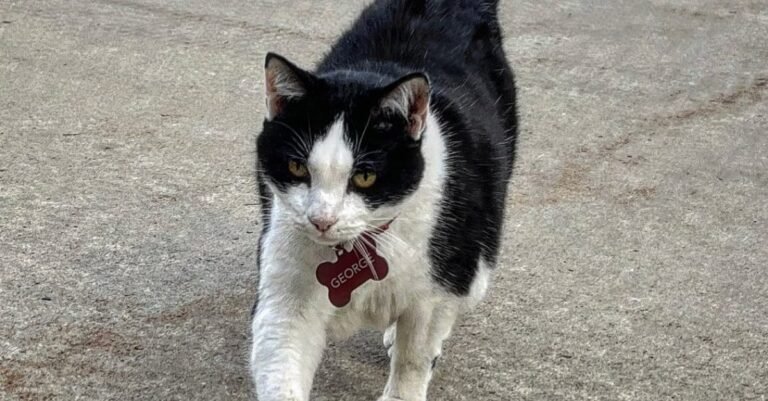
389 335
389 339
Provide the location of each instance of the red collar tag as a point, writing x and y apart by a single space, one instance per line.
351 269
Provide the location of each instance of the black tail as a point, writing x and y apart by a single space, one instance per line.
491 8
488 49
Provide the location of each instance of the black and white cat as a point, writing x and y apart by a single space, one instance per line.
383 175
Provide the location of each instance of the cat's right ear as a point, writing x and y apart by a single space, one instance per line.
284 82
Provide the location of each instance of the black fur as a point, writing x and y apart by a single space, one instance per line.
384 146
458 45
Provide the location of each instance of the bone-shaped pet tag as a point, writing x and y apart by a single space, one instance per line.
351 269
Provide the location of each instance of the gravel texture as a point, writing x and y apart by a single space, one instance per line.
636 245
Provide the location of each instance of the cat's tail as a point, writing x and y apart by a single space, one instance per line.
490 6
488 48
489 10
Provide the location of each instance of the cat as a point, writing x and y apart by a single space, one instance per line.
383 175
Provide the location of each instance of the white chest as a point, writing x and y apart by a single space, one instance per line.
289 269
377 304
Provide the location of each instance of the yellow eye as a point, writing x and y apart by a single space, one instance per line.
364 180
297 169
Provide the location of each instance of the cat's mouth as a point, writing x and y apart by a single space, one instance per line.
336 239
331 239
346 238
323 240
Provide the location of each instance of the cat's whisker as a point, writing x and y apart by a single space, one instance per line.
361 241
296 136
358 245
388 235
398 218
359 141
309 127
383 220
392 238
264 198
396 246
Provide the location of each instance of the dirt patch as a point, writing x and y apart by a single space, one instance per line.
616 145
110 341
12 379
225 305
14 382
570 183
572 178
636 194
749 94
701 14
724 102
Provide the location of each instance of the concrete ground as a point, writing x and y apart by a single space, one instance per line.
634 266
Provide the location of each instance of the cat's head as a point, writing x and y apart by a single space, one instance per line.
342 150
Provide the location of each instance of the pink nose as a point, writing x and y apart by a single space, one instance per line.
323 224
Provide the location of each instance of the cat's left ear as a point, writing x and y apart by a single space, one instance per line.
409 97
284 82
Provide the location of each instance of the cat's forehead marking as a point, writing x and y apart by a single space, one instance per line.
331 157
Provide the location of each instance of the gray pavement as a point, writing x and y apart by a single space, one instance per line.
634 266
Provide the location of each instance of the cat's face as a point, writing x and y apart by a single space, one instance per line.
341 152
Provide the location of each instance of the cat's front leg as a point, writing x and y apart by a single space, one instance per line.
418 339
288 343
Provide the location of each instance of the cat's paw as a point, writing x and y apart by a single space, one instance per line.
389 339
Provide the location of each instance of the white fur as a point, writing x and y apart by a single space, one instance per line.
294 315
330 166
